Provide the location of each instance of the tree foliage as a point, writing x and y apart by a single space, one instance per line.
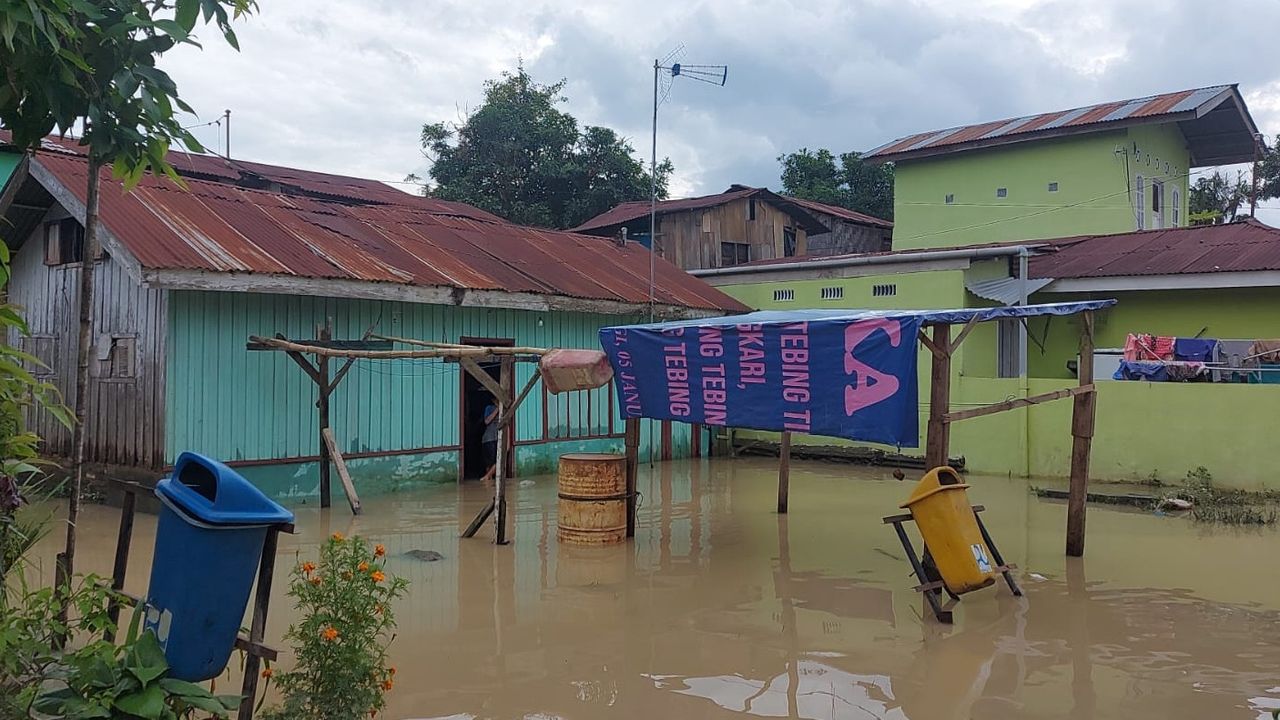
520 157
1269 171
1217 198
847 181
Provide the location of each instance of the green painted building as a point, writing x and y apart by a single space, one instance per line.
1107 168
187 276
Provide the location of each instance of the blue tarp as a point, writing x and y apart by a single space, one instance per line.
841 373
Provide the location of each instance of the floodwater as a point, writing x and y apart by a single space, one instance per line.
723 609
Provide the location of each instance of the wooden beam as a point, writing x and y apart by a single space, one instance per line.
301 360
632 443
322 405
493 349
361 344
964 333
331 446
938 438
784 472
473 368
258 625
924 340
524 393
280 343
507 380
1082 424
124 538
1017 403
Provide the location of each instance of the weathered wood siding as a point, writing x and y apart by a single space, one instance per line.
691 239
124 419
241 405
846 237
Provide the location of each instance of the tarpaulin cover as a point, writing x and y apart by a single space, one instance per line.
841 373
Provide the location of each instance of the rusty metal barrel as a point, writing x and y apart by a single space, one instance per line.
593 499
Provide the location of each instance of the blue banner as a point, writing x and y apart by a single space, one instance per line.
839 377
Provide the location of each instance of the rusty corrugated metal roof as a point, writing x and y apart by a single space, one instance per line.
843 213
1247 245
223 228
1189 107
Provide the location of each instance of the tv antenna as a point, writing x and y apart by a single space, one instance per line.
665 73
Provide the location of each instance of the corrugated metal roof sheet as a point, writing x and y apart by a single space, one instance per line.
1242 246
1085 119
840 212
628 211
1005 290
219 227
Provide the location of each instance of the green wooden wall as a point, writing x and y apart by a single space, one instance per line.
238 405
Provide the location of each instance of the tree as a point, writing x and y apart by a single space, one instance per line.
1216 198
520 157
1268 169
853 183
92 64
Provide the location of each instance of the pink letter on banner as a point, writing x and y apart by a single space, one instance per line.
870 386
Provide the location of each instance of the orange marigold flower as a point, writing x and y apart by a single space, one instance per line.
330 633
267 673
378 576
379 550
391 671
386 684
339 537
364 567
315 579
308 567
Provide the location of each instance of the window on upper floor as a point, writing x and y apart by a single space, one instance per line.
63 242
1140 202
751 209
1175 208
1002 192
1157 204
950 198
733 253
788 242
1053 187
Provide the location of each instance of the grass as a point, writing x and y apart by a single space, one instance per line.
1227 506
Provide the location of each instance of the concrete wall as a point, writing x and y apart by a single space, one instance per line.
1094 173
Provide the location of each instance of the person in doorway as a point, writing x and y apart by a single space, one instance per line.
489 441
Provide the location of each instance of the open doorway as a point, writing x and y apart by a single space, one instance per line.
474 399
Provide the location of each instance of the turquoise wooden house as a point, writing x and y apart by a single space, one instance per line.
249 249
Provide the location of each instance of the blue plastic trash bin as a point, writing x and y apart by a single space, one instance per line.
209 539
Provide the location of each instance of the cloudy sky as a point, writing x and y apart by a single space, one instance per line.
344 85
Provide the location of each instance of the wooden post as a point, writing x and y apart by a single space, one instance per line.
322 384
632 442
784 472
500 475
258 626
938 441
340 464
121 566
1082 422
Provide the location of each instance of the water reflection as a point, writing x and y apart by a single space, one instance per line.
720 608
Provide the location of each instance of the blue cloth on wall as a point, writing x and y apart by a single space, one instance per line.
1149 370
1194 349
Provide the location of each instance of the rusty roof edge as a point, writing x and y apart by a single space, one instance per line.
274 283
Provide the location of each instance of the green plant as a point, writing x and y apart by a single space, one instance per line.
341 642
94 678
1226 506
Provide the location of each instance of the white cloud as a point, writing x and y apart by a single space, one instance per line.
345 86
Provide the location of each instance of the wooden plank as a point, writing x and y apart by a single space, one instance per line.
365 344
478 521
924 340
1017 403
474 370
632 444
1082 424
319 350
964 333
331 446
938 438
322 407
524 393
258 625
507 380
784 472
124 538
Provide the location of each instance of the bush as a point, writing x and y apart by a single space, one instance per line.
340 645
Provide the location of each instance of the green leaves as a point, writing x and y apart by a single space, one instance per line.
851 183
148 703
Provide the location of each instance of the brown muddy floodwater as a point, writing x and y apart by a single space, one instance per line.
723 609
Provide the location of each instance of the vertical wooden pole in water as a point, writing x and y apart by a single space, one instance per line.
632 441
322 384
258 625
938 442
124 538
500 476
1082 422
784 472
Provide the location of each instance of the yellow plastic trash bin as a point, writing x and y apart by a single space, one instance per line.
940 507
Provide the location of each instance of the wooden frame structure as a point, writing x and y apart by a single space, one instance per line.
939 341
252 644
380 347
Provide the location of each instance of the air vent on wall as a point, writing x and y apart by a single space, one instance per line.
784 295
832 293
883 290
